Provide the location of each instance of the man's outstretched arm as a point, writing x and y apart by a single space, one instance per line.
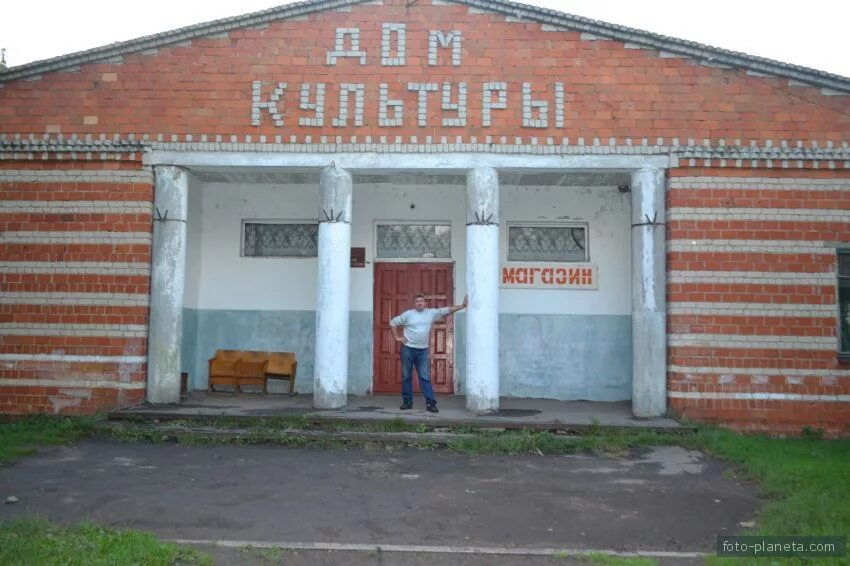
461 306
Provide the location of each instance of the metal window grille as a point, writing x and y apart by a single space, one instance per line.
547 243
844 299
280 240
402 241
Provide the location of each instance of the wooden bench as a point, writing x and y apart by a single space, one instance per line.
245 367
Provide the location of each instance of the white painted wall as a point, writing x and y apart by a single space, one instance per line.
194 243
229 281
608 214
245 283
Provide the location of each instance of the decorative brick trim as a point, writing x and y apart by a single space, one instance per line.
76 207
761 371
759 183
759 396
73 383
814 156
757 246
51 298
75 238
753 309
750 342
752 278
46 329
64 358
760 214
144 176
71 267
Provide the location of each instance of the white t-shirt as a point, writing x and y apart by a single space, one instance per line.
417 325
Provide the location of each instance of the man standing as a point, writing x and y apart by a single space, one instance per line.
414 350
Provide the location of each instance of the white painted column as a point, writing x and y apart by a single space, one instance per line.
330 389
482 284
168 282
649 304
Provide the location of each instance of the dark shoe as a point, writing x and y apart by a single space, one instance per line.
432 409
406 406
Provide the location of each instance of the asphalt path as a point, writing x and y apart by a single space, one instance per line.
382 506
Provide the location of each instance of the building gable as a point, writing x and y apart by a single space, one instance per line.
433 72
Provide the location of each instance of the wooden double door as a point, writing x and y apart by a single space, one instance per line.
395 286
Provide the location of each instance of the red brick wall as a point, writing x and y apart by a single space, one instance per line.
611 91
75 296
791 298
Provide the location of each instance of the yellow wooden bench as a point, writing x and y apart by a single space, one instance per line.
236 368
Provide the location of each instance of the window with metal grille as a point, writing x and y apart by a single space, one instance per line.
528 242
423 241
279 239
844 300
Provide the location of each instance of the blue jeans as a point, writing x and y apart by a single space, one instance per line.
419 357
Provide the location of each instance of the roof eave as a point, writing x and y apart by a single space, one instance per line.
705 54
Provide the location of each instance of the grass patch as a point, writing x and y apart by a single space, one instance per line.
32 541
602 441
805 480
272 555
21 437
600 559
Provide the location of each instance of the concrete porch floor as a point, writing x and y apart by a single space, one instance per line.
514 412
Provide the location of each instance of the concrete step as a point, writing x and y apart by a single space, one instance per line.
330 419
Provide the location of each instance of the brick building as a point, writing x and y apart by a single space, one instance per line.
635 217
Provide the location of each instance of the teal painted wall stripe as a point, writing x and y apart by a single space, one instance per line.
541 356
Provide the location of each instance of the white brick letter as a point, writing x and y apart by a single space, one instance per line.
424 89
339 46
438 38
257 103
387 59
535 113
344 89
318 107
488 105
559 105
386 104
459 106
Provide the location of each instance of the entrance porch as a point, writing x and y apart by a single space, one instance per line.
604 343
513 413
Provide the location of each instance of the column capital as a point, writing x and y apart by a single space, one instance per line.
648 197
482 196
171 193
335 195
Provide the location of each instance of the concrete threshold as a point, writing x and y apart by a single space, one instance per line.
573 417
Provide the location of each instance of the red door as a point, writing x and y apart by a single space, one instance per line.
395 286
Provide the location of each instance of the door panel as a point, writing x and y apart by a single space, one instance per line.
395 286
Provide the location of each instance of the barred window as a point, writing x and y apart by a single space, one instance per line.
547 243
403 241
278 239
844 299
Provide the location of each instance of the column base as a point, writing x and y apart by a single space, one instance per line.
481 405
649 364
329 399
